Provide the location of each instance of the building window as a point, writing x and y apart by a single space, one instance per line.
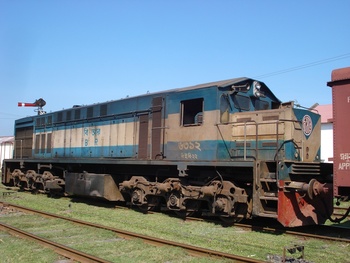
192 112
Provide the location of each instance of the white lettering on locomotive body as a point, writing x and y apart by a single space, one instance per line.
345 165
189 146
348 99
189 156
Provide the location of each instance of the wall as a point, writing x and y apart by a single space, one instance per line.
327 142
6 148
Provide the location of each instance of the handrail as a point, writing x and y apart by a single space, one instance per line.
253 122
245 137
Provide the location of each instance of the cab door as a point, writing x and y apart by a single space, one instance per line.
151 132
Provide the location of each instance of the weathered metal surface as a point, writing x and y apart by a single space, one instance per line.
94 185
157 128
143 137
23 142
340 84
222 197
304 204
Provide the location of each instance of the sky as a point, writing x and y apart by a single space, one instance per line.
84 52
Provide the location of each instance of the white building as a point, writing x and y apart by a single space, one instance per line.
6 148
326 112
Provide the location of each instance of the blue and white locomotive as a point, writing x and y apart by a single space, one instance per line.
229 149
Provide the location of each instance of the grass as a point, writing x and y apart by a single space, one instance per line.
13 250
230 240
98 242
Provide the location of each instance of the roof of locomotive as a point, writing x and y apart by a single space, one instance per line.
219 84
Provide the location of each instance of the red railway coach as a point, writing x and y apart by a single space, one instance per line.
340 85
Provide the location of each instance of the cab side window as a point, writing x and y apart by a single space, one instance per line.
224 109
192 112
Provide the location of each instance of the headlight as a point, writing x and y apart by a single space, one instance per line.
257 87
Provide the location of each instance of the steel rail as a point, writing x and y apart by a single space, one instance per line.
295 233
58 248
191 250
340 212
281 230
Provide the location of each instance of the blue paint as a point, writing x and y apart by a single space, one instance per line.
92 152
300 115
185 151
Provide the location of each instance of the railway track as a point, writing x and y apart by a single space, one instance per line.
340 211
323 232
255 228
58 248
191 250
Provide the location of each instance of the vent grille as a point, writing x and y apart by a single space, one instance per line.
306 168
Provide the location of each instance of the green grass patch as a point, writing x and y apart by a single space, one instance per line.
14 250
203 234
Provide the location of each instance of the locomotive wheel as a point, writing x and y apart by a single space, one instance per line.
153 203
192 207
241 212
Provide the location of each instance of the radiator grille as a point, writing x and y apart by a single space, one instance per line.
306 168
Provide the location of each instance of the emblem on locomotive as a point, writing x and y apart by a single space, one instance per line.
307 125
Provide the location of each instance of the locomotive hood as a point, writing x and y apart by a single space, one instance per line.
251 87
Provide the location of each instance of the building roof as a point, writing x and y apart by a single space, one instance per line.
326 112
6 139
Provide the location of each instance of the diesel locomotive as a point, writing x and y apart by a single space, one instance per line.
228 149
